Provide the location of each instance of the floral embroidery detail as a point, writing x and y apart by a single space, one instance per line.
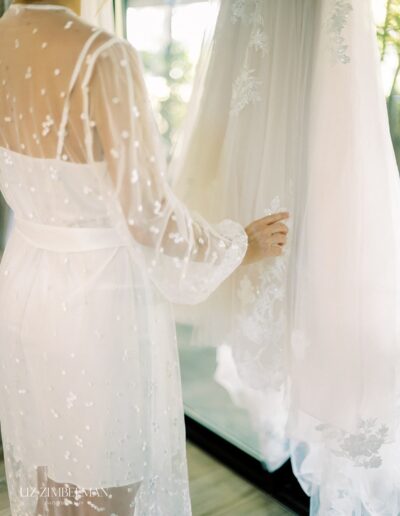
363 447
238 10
258 340
259 41
265 328
336 24
246 86
246 90
275 206
47 125
246 292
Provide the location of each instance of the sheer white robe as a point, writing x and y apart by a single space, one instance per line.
90 390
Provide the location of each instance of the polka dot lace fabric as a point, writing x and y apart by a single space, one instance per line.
90 396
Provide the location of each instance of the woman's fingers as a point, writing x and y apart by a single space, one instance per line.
278 227
267 237
271 219
275 250
277 238
267 223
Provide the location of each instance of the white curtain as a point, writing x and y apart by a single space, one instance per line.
291 114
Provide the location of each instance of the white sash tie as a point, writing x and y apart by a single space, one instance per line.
66 239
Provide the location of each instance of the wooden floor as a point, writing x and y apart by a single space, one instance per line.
215 491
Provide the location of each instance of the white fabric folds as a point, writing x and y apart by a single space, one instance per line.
344 354
292 114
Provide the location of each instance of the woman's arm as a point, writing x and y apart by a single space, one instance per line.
186 256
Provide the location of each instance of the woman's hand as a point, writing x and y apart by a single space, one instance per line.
266 237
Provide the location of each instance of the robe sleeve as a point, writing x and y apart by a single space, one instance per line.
186 257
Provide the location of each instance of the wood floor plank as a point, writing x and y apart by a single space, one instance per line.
217 491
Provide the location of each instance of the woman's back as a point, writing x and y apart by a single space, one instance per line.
40 47
44 106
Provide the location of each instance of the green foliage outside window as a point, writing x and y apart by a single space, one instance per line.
389 41
174 65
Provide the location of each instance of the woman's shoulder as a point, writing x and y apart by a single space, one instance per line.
103 41
108 44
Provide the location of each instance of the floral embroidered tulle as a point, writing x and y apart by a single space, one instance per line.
322 387
364 447
247 87
336 25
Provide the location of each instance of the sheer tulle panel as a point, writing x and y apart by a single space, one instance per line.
242 145
347 295
346 327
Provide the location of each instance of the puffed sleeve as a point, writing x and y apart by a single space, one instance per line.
186 257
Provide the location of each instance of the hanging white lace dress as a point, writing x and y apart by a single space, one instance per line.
309 107
345 346
90 395
239 156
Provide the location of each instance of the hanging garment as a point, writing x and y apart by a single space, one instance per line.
90 397
240 155
290 112
344 355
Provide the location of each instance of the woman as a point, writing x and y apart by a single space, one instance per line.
91 404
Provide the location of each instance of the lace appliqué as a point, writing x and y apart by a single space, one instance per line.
336 24
246 90
363 447
238 10
246 87
259 41
260 331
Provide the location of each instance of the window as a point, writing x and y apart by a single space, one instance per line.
387 16
169 37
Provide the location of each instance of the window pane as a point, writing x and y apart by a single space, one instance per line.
169 38
387 16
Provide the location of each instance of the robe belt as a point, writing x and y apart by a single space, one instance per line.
66 239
